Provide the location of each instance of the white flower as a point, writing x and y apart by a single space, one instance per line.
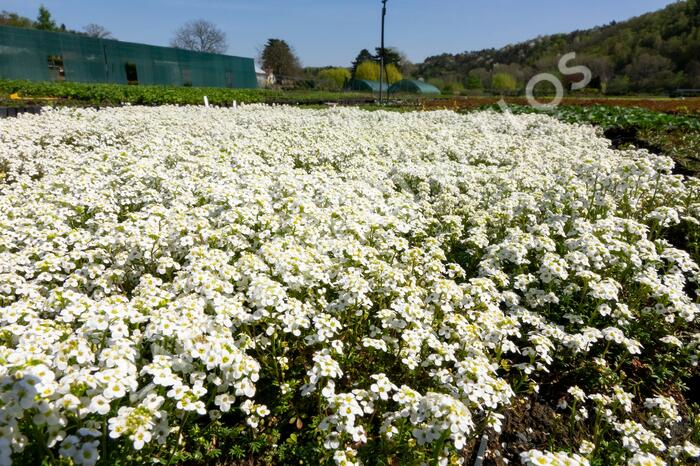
159 264
577 393
586 448
382 386
224 402
537 457
646 459
99 404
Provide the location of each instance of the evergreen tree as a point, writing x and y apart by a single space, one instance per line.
362 57
44 21
473 82
279 58
694 12
391 56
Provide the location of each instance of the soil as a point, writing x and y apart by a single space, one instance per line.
688 106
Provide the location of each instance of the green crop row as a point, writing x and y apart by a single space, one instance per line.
614 117
115 94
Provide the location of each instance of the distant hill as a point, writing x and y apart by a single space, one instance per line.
654 52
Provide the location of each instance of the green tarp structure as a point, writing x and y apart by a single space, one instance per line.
413 86
58 56
366 85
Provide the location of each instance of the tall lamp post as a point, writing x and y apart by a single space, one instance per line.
381 58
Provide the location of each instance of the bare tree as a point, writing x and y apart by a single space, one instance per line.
201 36
97 31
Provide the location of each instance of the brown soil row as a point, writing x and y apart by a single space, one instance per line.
689 106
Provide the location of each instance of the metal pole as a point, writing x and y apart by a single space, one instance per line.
381 58
482 450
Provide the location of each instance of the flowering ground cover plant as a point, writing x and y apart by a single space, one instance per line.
289 285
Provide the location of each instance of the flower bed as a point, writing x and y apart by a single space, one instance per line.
283 285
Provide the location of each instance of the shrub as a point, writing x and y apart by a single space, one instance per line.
453 88
503 82
473 82
619 85
393 74
368 70
333 78
437 82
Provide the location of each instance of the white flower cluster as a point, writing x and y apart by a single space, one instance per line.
559 458
404 271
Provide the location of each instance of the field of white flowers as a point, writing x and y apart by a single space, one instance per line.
285 285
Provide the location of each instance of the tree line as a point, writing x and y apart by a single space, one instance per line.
45 22
366 66
652 53
276 57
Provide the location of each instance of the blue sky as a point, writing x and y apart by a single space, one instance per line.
332 32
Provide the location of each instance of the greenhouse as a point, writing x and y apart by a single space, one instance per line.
414 87
37 55
365 85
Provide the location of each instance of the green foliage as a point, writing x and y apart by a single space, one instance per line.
278 57
503 82
473 82
362 57
333 78
44 21
614 117
683 146
620 85
651 53
651 72
626 117
369 67
115 94
367 70
392 74
8 18
278 441
453 88
391 56
437 82
693 12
